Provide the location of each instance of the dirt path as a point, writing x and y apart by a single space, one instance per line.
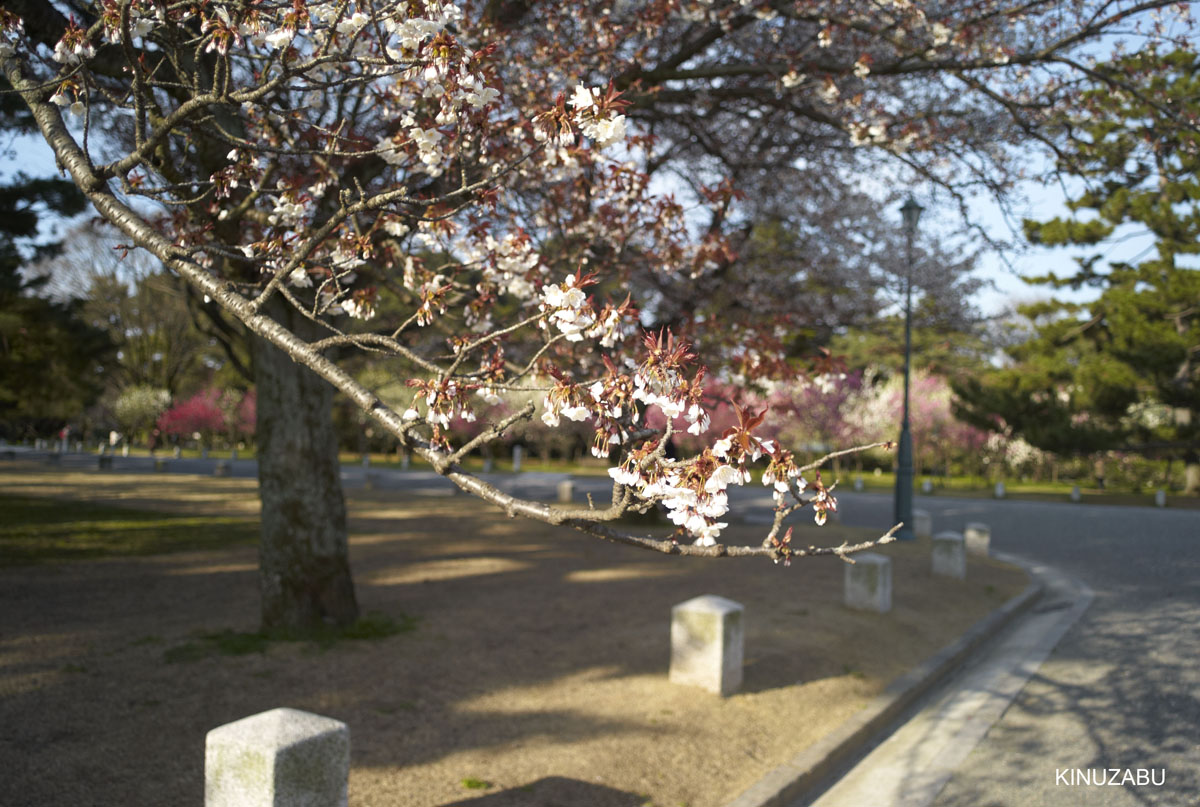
538 664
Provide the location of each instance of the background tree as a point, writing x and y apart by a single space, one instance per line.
1093 374
302 158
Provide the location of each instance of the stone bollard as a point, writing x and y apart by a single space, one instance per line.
566 491
178 452
221 469
366 460
707 636
922 523
950 555
233 454
978 538
125 450
405 461
1075 494
488 464
280 758
517 454
1160 498
868 583
858 484
999 492
926 486
204 453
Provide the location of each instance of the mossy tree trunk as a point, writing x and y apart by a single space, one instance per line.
304 569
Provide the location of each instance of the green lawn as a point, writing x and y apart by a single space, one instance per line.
36 530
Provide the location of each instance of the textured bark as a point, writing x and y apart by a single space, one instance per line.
304 569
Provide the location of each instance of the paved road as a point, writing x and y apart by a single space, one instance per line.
1121 690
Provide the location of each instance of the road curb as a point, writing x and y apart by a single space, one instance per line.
802 773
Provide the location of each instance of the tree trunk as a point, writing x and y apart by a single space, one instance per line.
304 570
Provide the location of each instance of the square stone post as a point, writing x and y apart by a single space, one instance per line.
280 758
979 538
950 555
868 583
707 637
922 523
1000 491
566 491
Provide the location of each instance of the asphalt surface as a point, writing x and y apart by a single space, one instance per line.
1121 691
1119 694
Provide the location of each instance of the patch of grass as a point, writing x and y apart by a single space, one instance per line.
471 783
39 530
373 625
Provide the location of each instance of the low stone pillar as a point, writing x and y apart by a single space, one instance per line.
858 483
405 460
125 450
566 491
221 469
366 460
1000 492
518 453
707 637
233 454
204 453
178 452
868 583
950 555
922 523
280 758
1160 498
926 486
488 464
1075 494
978 537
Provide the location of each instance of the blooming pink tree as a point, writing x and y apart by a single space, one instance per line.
300 162
200 413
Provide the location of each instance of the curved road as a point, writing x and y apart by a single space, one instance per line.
1121 691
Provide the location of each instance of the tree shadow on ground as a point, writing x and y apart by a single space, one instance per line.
553 791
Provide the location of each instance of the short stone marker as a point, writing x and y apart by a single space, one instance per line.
978 538
1075 494
707 636
280 758
178 452
488 464
366 460
1160 498
204 453
922 523
868 583
566 491
999 492
233 454
858 483
125 450
405 460
518 453
950 555
926 486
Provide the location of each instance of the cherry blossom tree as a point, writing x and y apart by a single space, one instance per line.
488 172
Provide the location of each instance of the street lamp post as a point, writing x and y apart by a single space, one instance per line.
911 212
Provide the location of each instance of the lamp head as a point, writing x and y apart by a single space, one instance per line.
911 212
